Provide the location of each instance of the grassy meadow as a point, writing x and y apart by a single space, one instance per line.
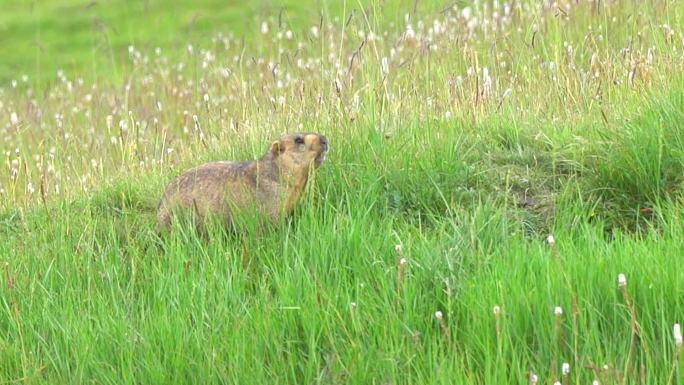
502 202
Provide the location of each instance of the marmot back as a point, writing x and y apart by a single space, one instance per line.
272 185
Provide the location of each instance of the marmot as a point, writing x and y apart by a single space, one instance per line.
272 184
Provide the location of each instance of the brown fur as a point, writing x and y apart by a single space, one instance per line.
272 184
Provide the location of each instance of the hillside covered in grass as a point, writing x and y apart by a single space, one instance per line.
502 201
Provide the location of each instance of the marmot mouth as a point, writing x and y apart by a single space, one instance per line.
320 159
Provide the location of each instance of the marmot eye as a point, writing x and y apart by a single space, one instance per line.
299 140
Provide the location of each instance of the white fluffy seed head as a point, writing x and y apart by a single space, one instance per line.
558 310
551 240
385 66
677 334
622 280
565 368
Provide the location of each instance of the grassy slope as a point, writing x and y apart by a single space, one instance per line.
89 293
90 38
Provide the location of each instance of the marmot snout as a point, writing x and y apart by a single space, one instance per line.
272 184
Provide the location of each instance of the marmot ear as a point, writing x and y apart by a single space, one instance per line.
275 148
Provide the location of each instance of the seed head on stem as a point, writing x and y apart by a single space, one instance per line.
565 372
677 334
497 318
533 379
622 280
442 324
401 267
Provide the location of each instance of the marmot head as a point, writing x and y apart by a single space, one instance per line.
297 151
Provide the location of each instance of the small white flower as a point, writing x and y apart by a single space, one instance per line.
438 315
30 187
595 382
557 383
353 305
487 82
385 66
264 27
565 368
402 261
551 240
314 31
558 310
649 56
14 119
206 98
533 379
288 35
397 248
677 333
496 310
622 280
410 33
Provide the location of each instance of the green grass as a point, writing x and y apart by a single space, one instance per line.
574 130
90 39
